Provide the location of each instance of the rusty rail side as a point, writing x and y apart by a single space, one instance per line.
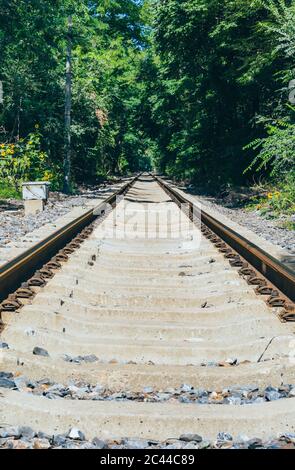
272 269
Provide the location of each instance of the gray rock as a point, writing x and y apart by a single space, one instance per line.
205 444
135 444
271 389
258 400
272 445
242 438
239 445
76 360
151 442
51 396
21 382
224 436
272 395
6 375
78 394
54 394
186 388
71 445
253 443
12 431
190 437
27 432
32 384
4 345
67 358
44 435
292 392
86 445
116 396
58 389
203 400
40 352
148 390
97 397
90 358
184 399
175 445
237 393
131 396
289 437
59 439
99 444
98 389
79 358
191 446
232 400
6 383
75 433
45 382
200 392
163 396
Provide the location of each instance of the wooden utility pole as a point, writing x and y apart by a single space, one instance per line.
68 106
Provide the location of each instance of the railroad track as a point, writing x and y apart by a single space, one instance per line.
147 326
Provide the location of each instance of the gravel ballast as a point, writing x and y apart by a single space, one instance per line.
269 229
14 224
23 437
185 393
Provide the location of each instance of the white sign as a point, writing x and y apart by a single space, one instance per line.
35 190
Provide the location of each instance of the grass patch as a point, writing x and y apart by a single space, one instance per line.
277 199
288 224
8 191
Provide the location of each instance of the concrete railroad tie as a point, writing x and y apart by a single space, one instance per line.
158 303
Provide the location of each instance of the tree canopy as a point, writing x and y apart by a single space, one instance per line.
196 89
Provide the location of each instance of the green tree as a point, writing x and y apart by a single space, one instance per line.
108 42
217 77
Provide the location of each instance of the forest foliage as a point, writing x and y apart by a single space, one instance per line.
196 89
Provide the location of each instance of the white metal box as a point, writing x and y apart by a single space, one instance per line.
36 190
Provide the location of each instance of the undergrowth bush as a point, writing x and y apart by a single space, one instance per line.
24 160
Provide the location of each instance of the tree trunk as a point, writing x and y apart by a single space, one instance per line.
68 106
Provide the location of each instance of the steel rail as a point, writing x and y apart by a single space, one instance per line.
277 273
20 269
